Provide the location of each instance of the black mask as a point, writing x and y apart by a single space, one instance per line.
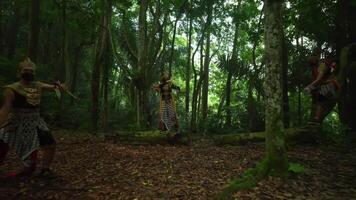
28 76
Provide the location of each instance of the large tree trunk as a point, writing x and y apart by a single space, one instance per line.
342 22
346 34
34 19
347 78
14 27
206 67
141 81
99 60
275 160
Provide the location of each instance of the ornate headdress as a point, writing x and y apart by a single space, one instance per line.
27 63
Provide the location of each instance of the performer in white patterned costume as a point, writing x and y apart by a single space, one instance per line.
168 119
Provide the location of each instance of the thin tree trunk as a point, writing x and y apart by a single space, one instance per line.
206 67
34 21
187 70
299 84
250 106
47 46
116 91
172 46
197 84
228 99
77 60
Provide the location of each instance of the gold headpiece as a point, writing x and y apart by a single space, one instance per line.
27 63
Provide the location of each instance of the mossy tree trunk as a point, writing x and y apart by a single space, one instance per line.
275 161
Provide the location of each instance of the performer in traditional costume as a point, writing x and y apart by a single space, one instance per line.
323 88
168 118
22 129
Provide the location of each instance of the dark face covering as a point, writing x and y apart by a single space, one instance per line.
28 76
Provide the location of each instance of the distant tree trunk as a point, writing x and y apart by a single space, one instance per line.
228 99
172 46
13 31
299 63
206 67
250 106
285 84
46 52
231 70
221 104
187 69
197 83
77 60
96 71
65 53
275 160
34 19
116 91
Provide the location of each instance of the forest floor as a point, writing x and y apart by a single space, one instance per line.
88 168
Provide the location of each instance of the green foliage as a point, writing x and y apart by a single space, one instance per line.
296 168
312 22
333 129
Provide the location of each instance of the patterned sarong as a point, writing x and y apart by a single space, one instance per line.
21 132
168 116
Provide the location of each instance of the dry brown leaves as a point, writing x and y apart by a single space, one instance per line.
91 169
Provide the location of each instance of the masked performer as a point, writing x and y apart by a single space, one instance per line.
168 119
24 130
323 87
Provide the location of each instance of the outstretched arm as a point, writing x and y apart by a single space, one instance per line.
51 87
6 107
